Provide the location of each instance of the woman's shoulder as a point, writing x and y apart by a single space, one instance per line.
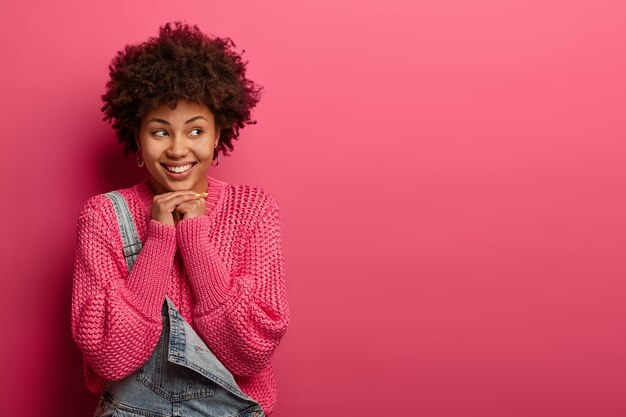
101 204
251 199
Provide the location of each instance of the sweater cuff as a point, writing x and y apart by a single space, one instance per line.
208 276
148 277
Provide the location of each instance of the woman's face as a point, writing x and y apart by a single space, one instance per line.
177 146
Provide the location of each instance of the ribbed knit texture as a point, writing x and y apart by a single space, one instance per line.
224 272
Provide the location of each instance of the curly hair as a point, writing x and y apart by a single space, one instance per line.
181 63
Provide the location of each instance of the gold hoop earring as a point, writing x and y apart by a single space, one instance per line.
140 161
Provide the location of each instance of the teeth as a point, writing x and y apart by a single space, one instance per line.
178 170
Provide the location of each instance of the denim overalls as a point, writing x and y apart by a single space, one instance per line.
182 377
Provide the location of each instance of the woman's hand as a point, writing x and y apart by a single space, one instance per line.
169 208
191 208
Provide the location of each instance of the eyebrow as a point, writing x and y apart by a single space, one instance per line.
165 122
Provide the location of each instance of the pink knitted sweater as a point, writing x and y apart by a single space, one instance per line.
224 272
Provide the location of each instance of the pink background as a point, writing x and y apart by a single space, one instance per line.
452 184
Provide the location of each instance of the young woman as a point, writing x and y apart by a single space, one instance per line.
185 320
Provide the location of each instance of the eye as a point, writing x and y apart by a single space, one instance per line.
195 132
159 133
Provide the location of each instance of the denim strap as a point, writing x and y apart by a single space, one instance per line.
130 238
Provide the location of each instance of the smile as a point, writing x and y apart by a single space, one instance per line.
178 169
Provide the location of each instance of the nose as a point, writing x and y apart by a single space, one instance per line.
177 147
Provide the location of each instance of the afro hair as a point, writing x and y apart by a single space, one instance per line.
180 63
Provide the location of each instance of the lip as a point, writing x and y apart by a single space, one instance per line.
177 164
178 175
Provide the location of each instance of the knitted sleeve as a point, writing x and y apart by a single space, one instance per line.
116 316
243 317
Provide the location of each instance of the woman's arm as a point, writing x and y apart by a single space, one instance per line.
242 318
116 316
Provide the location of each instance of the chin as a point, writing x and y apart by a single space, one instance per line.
178 187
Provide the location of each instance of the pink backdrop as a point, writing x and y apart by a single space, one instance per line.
452 183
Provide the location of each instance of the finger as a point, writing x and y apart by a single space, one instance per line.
175 201
191 205
191 209
167 196
195 202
